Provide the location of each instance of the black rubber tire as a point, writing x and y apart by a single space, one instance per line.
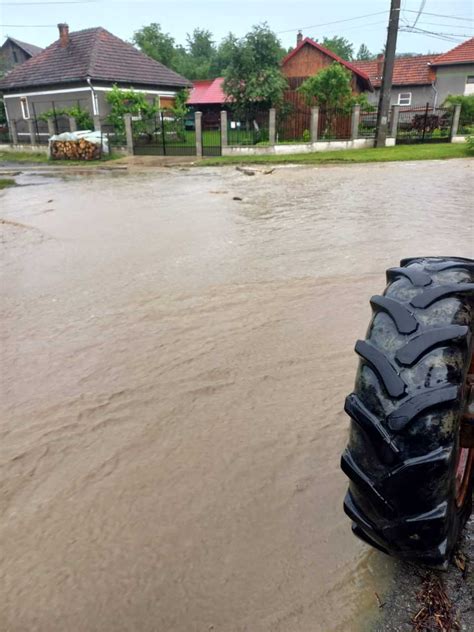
405 412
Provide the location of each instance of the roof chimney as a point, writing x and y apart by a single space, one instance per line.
380 62
63 35
299 37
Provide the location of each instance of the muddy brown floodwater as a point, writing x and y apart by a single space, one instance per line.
174 365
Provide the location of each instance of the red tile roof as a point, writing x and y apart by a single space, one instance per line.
352 67
93 53
208 91
462 54
406 71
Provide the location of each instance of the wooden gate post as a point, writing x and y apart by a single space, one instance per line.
314 123
394 120
355 121
32 131
223 128
272 126
198 128
13 131
128 133
455 123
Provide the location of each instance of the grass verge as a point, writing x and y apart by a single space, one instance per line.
40 158
6 182
441 151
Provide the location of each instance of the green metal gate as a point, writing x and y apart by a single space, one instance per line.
164 134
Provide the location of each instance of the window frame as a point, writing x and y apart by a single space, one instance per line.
25 108
404 96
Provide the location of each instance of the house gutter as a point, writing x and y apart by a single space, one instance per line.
95 100
435 101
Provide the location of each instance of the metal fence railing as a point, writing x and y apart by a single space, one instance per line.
334 125
248 129
367 124
163 134
424 124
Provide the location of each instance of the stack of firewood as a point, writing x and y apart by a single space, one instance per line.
74 150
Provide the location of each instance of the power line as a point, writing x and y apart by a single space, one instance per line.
34 4
420 11
452 26
439 15
314 26
450 37
27 26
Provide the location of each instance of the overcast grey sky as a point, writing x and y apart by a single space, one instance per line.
22 19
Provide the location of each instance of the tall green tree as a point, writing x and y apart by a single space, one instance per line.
339 45
253 78
153 42
364 54
330 88
224 55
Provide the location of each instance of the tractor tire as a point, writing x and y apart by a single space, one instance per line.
410 490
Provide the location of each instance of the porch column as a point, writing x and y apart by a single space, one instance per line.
97 125
272 126
314 123
198 128
72 124
394 120
13 131
128 132
51 126
223 128
32 131
355 121
455 125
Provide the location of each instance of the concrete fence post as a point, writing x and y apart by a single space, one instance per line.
51 126
128 132
355 121
97 125
456 116
13 132
394 120
224 128
314 123
198 128
72 124
32 131
272 126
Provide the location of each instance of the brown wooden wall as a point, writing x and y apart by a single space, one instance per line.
306 62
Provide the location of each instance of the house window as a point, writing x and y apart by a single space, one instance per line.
15 57
469 87
25 110
404 98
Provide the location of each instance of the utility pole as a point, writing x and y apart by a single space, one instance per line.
386 87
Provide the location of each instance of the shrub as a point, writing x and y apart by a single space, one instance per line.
306 136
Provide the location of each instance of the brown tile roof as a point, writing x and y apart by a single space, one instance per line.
30 49
462 54
93 53
407 70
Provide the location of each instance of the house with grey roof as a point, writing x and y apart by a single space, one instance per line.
79 69
14 52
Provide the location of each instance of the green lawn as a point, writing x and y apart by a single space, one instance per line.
436 151
27 156
6 182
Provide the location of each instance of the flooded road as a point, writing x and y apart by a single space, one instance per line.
174 366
